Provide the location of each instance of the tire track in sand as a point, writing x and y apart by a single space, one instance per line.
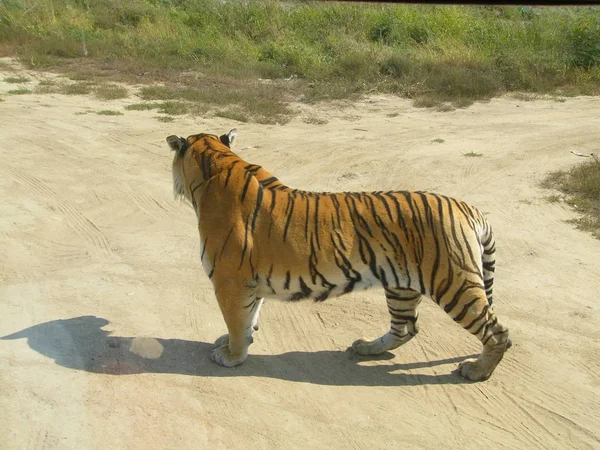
83 226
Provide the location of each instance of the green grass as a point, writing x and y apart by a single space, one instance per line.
110 92
174 108
19 79
165 119
580 187
554 198
82 88
144 106
216 52
19 91
472 155
109 112
315 120
233 114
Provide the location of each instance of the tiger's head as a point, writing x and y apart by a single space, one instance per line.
191 149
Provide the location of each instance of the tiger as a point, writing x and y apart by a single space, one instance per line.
260 238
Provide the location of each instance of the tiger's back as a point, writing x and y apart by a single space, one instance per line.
260 238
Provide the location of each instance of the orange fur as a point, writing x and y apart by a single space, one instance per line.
260 238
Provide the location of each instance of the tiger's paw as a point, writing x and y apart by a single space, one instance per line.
223 356
474 370
222 340
366 348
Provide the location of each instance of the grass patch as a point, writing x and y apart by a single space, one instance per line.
109 112
472 155
110 92
553 198
82 88
174 108
144 106
47 83
20 91
79 76
441 57
315 120
18 79
438 140
165 119
581 188
233 114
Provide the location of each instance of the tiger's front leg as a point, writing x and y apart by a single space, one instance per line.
240 308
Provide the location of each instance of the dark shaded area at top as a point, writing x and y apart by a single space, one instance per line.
80 343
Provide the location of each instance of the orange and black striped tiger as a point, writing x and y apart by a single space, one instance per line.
260 238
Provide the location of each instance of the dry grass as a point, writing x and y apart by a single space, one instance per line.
580 187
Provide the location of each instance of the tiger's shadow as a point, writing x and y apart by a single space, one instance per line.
80 343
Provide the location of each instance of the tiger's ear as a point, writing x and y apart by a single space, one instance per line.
228 138
177 143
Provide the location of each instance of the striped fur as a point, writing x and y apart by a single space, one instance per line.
260 238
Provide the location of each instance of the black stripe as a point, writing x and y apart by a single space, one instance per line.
203 249
286 285
289 211
317 198
268 181
306 217
269 279
477 319
465 310
245 243
245 189
259 197
304 288
393 271
229 172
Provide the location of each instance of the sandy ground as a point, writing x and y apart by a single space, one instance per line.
108 318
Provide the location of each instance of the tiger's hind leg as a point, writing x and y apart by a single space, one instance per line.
472 310
402 306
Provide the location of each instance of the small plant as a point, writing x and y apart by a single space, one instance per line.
164 118
76 89
174 108
395 114
19 79
472 155
553 198
19 91
109 112
232 114
145 106
77 76
580 187
110 92
158 93
314 120
438 140
46 83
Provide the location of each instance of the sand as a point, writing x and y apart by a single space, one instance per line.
107 318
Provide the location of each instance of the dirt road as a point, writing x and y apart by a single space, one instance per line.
108 318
